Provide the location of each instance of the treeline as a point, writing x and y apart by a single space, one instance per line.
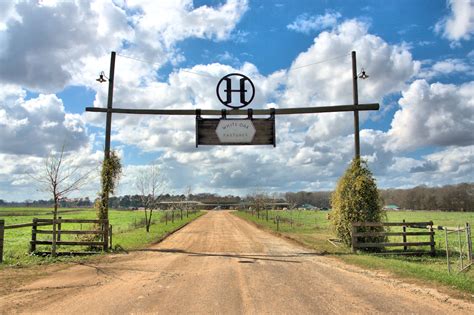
447 198
320 199
64 203
458 197
124 202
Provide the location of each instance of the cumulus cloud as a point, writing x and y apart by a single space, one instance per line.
55 37
459 24
433 114
57 47
330 83
167 22
38 125
307 23
447 67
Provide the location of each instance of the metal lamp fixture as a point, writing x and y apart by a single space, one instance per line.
101 77
363 75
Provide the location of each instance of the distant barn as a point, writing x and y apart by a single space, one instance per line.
391 207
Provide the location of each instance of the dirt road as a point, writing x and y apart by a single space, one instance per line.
220 264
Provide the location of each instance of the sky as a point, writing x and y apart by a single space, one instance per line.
419 56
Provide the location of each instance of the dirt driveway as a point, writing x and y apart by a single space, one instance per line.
219 264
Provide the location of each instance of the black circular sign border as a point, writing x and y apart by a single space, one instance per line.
243 76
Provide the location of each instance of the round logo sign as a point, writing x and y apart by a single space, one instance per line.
243 93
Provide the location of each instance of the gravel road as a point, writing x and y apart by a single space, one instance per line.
220 264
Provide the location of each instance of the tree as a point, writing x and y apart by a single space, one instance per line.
150 184
355 199
59 176
260 201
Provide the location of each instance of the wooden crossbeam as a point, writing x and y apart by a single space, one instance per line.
238 112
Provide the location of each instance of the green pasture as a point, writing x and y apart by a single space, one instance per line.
313 229
128 230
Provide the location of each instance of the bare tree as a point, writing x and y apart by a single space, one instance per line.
151 184
260 201
189 205
60 177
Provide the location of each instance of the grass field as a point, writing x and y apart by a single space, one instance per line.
312 228
128 230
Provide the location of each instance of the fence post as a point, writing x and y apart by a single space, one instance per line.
166 218
59 229
105 228
172 216
469 241
2 235
460 247
278 222
110 235
53 245
432 241
447 248
404 235
354 237
34 228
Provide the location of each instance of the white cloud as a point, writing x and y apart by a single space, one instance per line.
18 171
37 126
330 83
159 25
459 24
306 23
437 114
55 37
447 67
57 48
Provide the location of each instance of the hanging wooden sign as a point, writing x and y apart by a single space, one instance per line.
223 131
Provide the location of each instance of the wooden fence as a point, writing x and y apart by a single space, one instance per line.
357 243
2 234
56 233
4 227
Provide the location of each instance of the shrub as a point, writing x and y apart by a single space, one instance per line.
355 199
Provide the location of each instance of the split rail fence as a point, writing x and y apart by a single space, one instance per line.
359 237
100 228
104 231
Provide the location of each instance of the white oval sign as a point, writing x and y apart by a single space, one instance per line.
235 131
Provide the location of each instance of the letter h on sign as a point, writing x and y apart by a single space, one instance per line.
244 100
229 91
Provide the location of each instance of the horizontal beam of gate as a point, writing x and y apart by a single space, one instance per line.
238 112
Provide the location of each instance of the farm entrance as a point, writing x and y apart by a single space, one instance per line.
224 131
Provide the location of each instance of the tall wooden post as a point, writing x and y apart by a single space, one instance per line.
34 228
110 97
59 229
404 228
356 102
108 124
105 229
2 235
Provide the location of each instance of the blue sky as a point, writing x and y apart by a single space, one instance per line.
419 55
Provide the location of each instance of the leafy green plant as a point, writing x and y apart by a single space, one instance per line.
356 199
110 175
